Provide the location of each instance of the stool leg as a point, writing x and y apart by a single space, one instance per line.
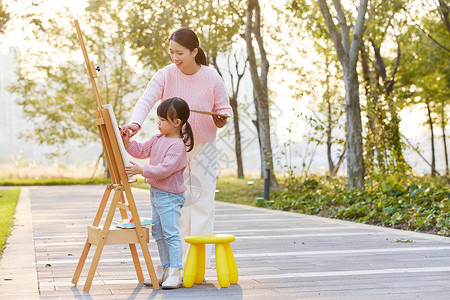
231 264
223 274
190 266
200 274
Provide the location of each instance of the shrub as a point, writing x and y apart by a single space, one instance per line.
413 203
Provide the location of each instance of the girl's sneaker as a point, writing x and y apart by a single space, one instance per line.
161 275
174 279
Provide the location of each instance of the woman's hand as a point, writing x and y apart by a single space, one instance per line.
134 169
133 128
220 121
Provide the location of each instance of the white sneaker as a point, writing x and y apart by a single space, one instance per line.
174 279
161 275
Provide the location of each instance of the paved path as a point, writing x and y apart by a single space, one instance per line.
279 255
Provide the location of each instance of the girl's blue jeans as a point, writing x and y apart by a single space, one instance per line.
166 226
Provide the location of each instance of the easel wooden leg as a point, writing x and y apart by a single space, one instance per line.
102 206
81 262
134 255
87 245
101 244
137 263
149 263
142 241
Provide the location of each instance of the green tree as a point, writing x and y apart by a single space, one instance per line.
219 28
380 65
236 73
443 121
425 76
331 105
324 84
259 71
53 84
444 14
5 16
347 40
151 23
217 24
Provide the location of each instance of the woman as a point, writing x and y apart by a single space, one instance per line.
203 89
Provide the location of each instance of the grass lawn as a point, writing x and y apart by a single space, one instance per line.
234 190
53 181
140 184
8 202
230 189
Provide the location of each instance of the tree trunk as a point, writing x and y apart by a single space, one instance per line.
347 48
253 28
329 132
444 139
392 129
332 167
329 120
105 164
433 158
355 161
96 164
237 136
256 123
234 107
371 140
444 12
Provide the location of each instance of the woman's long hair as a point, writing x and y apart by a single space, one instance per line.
188 39
177 108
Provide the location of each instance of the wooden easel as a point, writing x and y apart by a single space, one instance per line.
121 184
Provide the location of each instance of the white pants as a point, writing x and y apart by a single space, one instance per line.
197 214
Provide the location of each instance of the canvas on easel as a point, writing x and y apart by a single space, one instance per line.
123 152
122 198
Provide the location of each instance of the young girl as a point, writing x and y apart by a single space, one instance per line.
168 160
203 89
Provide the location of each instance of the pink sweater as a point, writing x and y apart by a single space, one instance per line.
168 160
203 90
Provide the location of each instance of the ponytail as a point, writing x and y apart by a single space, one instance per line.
200 58
176 108
188 136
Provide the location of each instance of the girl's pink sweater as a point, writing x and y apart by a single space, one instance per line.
203 90
168 160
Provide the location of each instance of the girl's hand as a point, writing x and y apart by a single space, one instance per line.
126 135
220 121
133 128
134 169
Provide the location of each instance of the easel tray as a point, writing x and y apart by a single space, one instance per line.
128 223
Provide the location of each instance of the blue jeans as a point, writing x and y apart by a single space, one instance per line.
166 226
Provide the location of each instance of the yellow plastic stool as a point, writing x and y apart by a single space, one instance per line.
194 270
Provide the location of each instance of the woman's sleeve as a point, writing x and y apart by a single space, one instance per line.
152 94
221 99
